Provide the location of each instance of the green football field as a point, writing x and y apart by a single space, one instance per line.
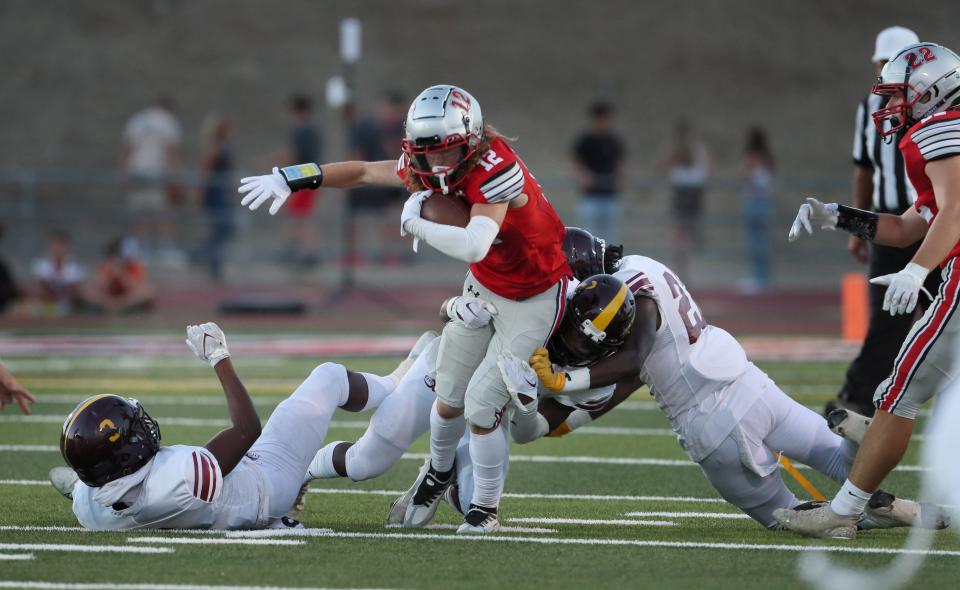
615 506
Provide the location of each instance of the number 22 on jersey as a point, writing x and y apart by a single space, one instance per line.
687 309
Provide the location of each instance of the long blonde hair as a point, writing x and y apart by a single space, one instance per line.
490 134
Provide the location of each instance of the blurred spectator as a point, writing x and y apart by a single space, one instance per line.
688 168
305 146
598 161
216 169
11 391
151 163
9 292
59 278
758 202
373 139
121 284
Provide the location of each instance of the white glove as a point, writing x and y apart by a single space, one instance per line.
903 288
411 210
813 211
472 312
259 189
208 342
520 380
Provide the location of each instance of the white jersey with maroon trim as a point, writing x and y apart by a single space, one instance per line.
693 368
180 488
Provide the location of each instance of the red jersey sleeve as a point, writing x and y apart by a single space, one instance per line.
497 177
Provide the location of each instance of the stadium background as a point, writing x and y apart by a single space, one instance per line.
74 72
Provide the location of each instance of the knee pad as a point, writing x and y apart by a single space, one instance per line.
482 416
328 378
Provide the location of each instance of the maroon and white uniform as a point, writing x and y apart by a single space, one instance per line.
928 360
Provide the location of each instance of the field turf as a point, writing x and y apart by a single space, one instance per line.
685 537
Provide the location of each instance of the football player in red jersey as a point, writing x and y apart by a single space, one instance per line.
513 244
922 84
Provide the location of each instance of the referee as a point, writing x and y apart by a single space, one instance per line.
881 185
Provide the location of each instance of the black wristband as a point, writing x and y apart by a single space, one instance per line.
302 176
858 222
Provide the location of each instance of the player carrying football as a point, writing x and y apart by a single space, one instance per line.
513 245
922 85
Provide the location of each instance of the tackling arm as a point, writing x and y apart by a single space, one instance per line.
625 364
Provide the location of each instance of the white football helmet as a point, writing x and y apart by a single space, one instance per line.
443 129
926 79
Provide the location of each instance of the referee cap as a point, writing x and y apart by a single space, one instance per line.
891 40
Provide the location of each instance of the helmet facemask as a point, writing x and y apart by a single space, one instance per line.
441 164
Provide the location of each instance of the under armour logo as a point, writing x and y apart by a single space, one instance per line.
473 291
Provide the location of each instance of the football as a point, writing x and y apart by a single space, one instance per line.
445 209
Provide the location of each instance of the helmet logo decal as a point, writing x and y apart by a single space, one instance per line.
461 101
108 422
610 311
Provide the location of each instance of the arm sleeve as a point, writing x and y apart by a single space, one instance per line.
469 244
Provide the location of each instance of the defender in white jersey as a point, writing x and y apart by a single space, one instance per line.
121 479
729 416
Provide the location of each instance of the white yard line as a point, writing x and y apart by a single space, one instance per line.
503 529
639 543
217 422
599 521
82 548
395 493
111 586
16 556
589 460
209 541
721 515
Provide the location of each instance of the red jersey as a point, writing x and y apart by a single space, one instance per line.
933 138
527 256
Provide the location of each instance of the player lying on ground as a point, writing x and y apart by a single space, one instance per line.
747 478
512 242
120 478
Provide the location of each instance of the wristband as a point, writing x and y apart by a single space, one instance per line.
577 379
858 222
302 176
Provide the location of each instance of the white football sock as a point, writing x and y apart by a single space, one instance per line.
378 388
322 465
445 433
850 500
488 452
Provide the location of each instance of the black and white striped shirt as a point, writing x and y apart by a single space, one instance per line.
892 191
